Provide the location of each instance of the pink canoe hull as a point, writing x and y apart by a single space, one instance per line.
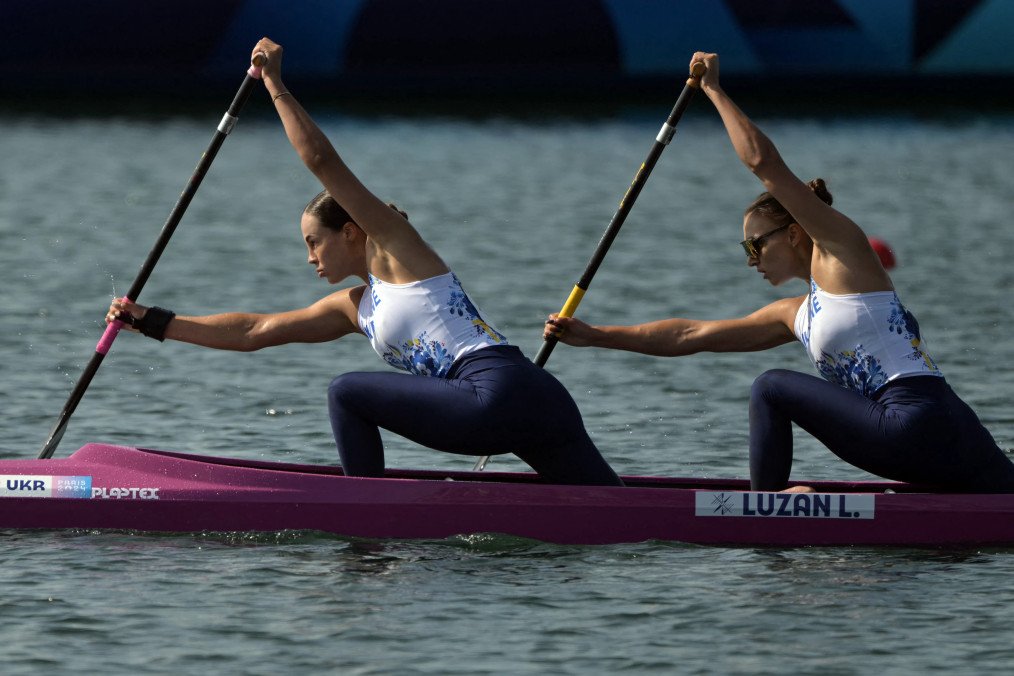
114 487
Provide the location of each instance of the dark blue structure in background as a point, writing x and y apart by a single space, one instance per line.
467 47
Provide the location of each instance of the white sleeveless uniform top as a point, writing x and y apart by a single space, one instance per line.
423 327
861 341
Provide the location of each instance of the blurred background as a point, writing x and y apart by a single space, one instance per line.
595 49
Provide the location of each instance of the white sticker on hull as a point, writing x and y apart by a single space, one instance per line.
125 493
792 505
34 486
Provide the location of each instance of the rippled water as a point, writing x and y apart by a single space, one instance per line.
516 207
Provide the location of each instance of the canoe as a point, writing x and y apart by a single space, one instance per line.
103 486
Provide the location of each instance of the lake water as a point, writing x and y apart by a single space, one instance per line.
516 206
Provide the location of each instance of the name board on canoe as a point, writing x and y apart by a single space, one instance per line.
33 486
791 505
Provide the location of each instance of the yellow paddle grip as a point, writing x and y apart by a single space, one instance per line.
572 302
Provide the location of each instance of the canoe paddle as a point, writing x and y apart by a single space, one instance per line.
224 127
665 135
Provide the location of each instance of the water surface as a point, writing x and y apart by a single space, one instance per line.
515 205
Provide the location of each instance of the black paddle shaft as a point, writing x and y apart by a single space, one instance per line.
224 128
626 204
661 141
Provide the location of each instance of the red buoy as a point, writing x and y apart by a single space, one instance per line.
884 252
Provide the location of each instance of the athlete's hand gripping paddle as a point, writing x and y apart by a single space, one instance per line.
665 135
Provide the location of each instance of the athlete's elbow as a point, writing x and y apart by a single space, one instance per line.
253 338
760 162
314 159
761 157
672 343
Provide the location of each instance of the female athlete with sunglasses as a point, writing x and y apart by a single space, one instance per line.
882 403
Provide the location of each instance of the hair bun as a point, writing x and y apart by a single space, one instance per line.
395 207
819 188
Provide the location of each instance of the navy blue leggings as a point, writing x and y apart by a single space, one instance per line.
493 401
915 429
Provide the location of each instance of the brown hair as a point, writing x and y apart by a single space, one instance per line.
766 205
333 215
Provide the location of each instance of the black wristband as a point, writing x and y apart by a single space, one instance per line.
154 322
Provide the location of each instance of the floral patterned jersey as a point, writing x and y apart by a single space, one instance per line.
862 341
423 327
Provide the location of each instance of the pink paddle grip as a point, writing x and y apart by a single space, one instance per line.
106 341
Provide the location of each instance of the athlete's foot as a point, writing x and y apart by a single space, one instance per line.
798 489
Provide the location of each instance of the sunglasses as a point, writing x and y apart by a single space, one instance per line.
752 245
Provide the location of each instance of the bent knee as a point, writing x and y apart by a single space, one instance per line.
342 389
770 382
